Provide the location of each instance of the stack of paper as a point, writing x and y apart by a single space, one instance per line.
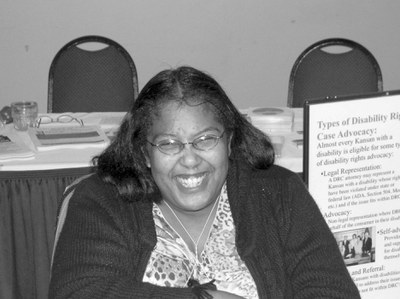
49 138
14 150
108 121
271 119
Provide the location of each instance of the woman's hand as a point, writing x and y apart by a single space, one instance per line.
223 295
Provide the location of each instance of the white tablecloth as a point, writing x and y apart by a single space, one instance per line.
61 158
291 155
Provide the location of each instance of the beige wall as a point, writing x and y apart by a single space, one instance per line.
249 46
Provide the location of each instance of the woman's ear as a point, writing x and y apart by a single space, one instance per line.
146 157
229 144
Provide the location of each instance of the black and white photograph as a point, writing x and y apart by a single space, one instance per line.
357 246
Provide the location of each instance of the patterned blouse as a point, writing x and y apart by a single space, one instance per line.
172 264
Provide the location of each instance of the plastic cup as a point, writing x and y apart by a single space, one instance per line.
277 143
24 114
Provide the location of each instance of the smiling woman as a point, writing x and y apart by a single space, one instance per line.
186 203
191 179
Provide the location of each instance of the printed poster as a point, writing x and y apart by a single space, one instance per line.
352 168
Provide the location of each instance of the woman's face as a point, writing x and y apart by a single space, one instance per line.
192 179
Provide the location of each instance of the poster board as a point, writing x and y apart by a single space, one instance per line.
352 169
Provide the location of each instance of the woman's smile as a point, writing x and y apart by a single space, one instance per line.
191 181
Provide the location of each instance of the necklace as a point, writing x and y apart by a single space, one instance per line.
195 243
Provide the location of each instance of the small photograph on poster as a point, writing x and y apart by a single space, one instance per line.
357 246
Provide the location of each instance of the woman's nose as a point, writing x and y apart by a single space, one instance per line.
189 156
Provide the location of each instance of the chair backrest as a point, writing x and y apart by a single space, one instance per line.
83 79
333 67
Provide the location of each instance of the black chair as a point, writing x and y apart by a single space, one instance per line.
87 79
333 67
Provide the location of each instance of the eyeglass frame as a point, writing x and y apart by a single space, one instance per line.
38 121
193 143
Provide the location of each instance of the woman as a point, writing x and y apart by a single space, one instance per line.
358 246
186 203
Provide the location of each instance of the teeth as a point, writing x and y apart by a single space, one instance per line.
191 182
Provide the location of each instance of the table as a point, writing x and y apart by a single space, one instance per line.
358 259
28 209
30 191
291 155
62 158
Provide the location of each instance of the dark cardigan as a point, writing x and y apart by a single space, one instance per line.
106 242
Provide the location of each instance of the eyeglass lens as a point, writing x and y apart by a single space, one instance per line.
203 143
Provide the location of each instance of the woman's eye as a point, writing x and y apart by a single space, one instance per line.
168 143
206 141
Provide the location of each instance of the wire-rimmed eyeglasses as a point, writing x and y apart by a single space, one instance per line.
173 147
65 118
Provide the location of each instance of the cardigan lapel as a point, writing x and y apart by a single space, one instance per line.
147 225
240 199
244 192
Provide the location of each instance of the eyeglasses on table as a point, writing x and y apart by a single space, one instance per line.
65 118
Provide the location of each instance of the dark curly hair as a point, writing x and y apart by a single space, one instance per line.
122 163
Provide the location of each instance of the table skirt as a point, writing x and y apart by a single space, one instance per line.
28 209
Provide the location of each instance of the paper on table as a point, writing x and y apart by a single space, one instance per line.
49 138
12 150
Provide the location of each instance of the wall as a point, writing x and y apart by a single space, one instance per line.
248 46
